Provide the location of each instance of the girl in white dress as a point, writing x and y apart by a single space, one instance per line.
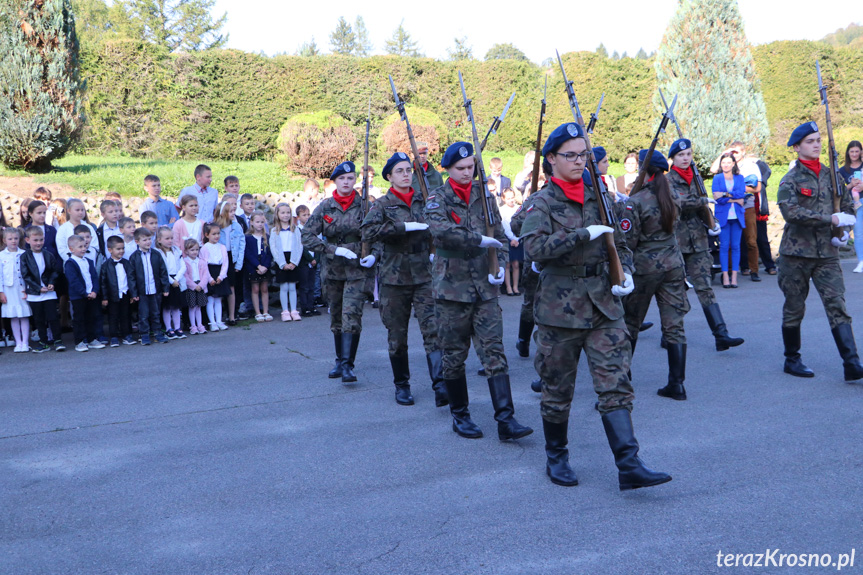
12 294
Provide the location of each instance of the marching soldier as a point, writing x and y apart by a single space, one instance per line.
348 280
432 176
466 292
395 221
808 252
692 239
576 309
649 221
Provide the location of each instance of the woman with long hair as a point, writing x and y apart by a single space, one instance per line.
851 173
729 190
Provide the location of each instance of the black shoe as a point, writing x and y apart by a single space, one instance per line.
350 343
337 369
376 304
435 365
536 385
632 473
522 344
557 455
662 343
314 312
401 379
504 410
481 372
844 338
645 326
458 402
717 327
793 364
676 373
754 277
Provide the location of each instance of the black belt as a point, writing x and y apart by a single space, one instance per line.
459 254
588 271
349 239
405 248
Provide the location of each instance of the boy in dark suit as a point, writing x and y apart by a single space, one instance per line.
83 291
119 290
151 280
40 270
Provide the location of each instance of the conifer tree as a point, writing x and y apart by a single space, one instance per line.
40 103
705 59
601 50
364 44
401 43
343 40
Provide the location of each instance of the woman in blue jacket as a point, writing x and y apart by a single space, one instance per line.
729 188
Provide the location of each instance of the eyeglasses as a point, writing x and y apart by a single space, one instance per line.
573 157
403 172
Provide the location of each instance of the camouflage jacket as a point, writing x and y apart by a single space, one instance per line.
574 279
691 232
517 221
653 249
460 268
339 228
433 179
806 202
404 255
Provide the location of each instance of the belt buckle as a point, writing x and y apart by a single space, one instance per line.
580 271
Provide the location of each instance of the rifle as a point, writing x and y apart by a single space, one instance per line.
705 213
606 215
642 169
487 206
365 206
835 180
497 122
534 177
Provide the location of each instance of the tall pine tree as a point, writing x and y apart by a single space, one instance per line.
343 40
401 43
705 59
40 103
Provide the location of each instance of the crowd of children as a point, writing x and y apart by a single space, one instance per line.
58 270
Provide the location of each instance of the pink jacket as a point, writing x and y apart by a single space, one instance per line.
223 273
203 273
181 234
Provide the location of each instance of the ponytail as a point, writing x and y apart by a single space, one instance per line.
667 207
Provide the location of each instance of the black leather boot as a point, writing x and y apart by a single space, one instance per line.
481 372
504 410
718 328
435 363
557 465
645 325
632 473
337 369
536 385
663 343
793 364
350 343
676 372
458 400
525 329
402 379
844 337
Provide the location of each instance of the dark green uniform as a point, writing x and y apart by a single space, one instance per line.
432 177
692 237
574 308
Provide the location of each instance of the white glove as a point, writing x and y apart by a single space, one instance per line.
845 219
346 253
596 231
534 267
415 227
367 261
715 231
431 258
488 242
626 288
841 242
496 281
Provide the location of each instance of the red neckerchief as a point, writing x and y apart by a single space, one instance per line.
462 191
426 167
406 198
650 179
344 201
686 174
572 190
814 165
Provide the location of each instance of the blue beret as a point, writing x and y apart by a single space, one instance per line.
342 169
657 160
679 146
801 132
560 135
391 163
456 152
599 153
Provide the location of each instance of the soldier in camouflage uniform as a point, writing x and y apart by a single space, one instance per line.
396 224
808 252
432 176
692 239
577 309
348 279
649 221
466 291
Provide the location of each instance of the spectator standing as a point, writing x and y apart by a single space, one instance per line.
508 208
729 189
630 164
852 174
762 216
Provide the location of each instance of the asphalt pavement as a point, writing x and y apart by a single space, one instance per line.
232 452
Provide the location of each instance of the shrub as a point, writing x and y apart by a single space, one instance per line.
426 125
315 143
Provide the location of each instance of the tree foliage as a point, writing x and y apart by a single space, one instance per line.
851 35
601 50
704 58
505 52
401 43
460 50
40 103
426 125
309 49
343 40
316 142
364 44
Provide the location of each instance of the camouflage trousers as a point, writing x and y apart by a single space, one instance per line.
457 322
346 299
698 270
825 273
608 356
396 304
529 281
669 289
